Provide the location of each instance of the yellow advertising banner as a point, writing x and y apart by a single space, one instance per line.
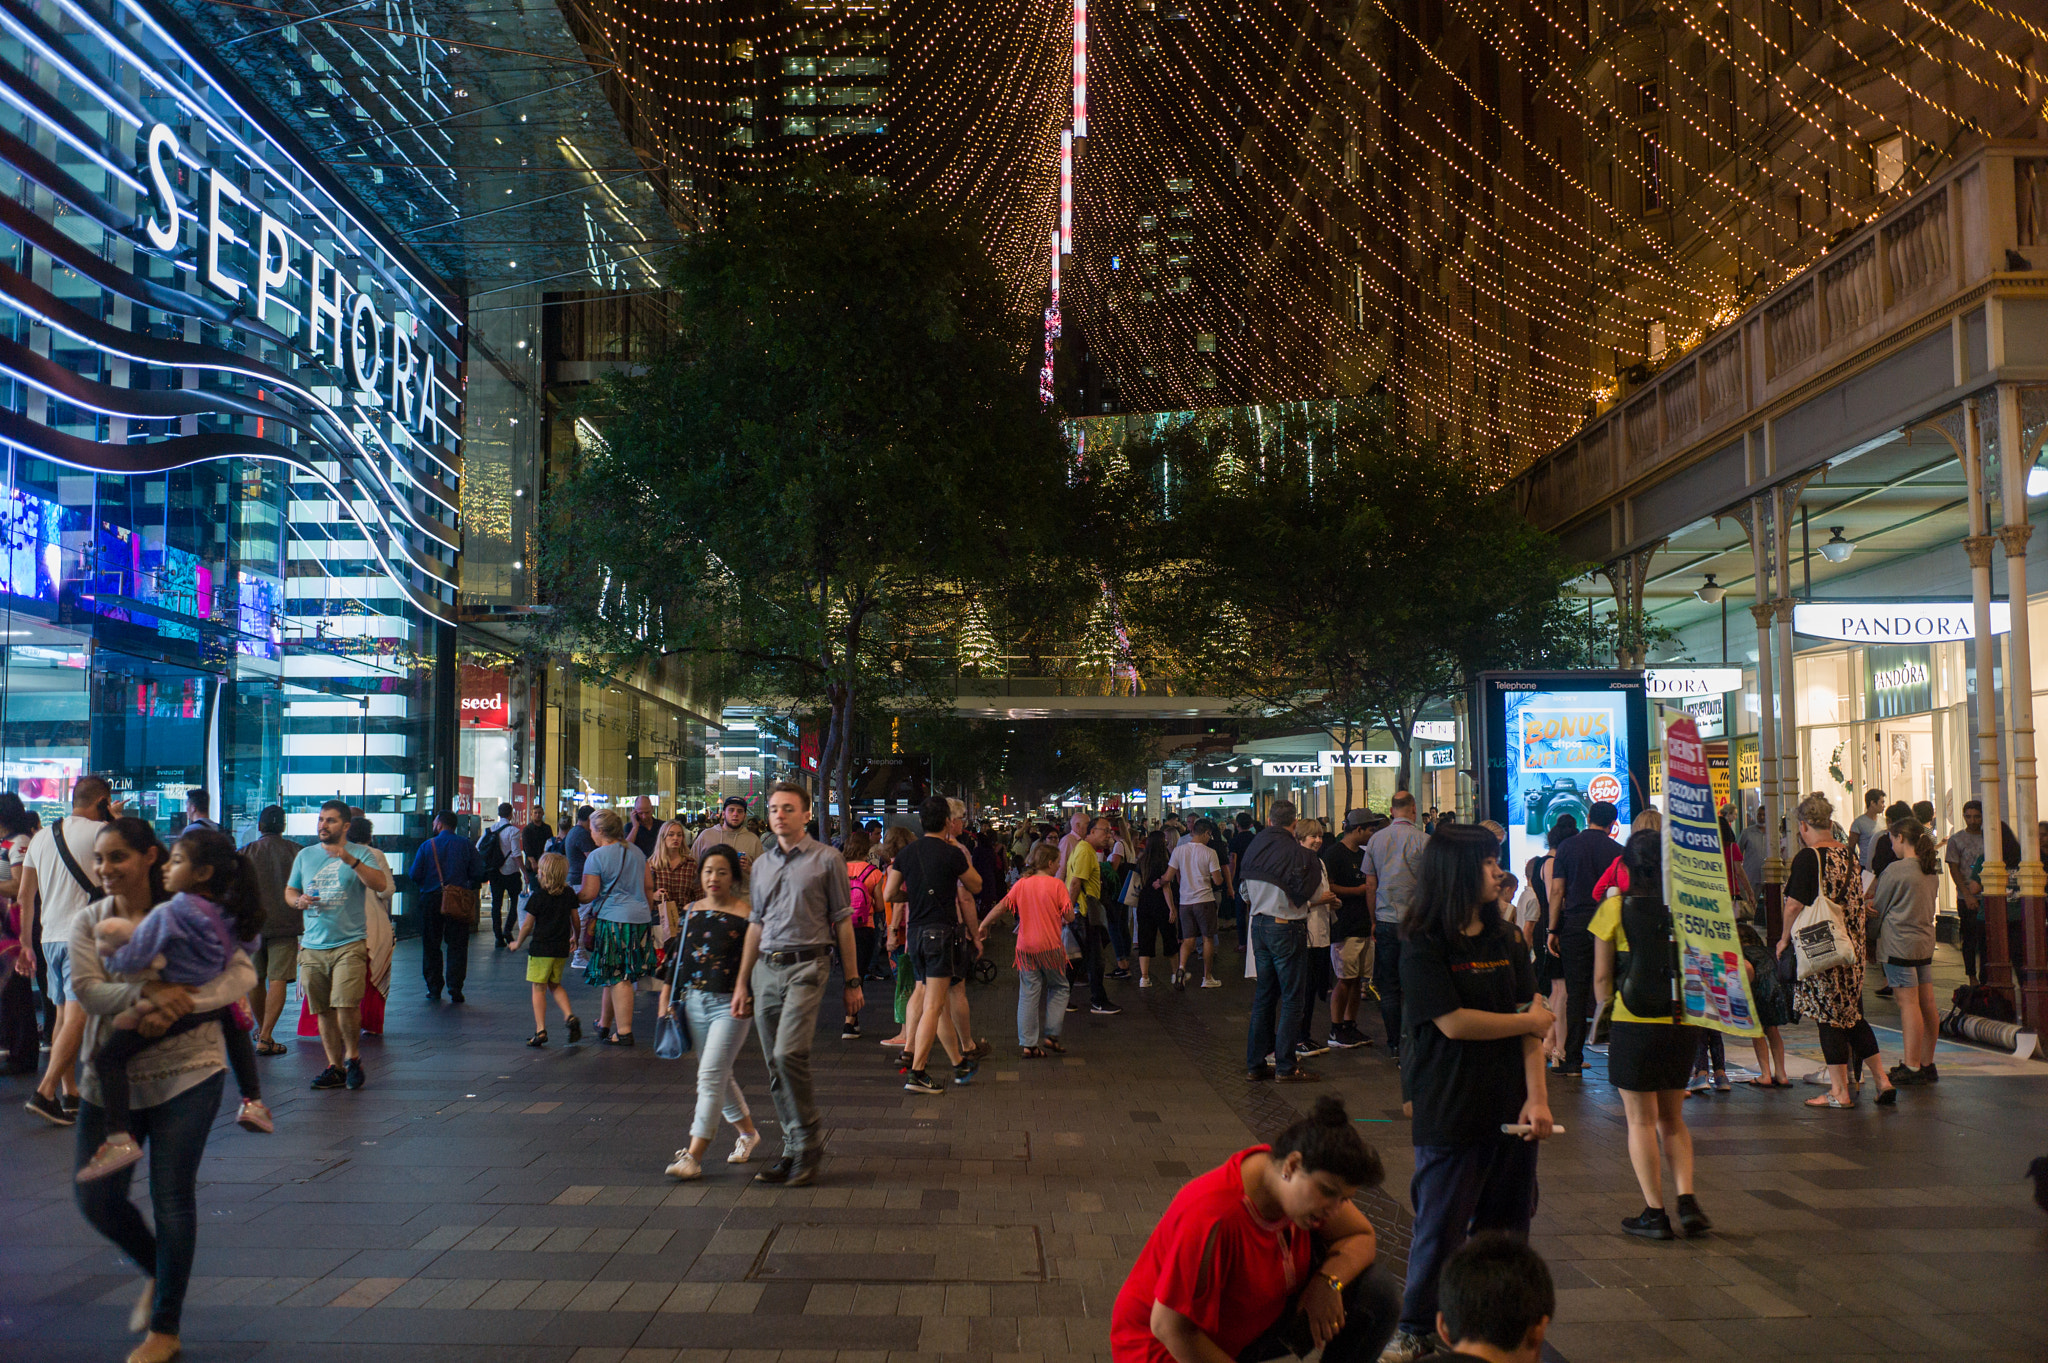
1749 768
1717 775
1716 989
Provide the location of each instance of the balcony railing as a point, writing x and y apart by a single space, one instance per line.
1906 265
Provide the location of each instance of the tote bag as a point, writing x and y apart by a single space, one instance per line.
1819 938
672 1037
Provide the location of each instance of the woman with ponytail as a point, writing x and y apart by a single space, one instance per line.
1903 900
1265 1256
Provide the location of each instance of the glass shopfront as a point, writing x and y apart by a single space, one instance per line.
230 403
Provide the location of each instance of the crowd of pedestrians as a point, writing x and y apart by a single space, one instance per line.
167 970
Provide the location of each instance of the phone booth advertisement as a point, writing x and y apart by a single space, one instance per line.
1554 744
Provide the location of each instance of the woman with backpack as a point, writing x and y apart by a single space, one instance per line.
864 887
1649 1052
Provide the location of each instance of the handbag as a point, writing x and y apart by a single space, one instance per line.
1820 939
459 903
672 1037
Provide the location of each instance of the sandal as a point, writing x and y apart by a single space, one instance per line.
1828 1100
1762 1083
269 1048
1033 1053
1052 1044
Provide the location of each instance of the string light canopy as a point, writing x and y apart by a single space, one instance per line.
1500 216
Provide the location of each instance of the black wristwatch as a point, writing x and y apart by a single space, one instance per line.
853 982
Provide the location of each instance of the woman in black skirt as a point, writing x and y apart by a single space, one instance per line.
1549 970
1649 1060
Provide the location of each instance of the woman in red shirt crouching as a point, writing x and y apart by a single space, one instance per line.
1263 1257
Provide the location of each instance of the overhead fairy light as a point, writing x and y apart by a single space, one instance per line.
1081 68
1067 192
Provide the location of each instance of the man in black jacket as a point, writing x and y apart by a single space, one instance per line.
1279 877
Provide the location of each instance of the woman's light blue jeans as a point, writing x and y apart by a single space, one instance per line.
1041 1004
719 1036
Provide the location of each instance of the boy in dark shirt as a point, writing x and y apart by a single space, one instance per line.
550 922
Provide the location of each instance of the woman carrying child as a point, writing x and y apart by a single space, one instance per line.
175 1085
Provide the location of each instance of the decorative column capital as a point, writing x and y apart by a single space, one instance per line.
2015 538
1783 608
1978 547
1763 612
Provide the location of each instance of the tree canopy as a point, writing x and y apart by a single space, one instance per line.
838 453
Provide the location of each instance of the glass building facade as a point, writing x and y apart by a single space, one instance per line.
230 403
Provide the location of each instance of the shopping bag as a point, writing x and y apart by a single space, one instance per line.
1820 939
906 981
372 1014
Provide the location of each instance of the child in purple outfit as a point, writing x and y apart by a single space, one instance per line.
188 939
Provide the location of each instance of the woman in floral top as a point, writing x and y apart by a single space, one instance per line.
713 932
1833 998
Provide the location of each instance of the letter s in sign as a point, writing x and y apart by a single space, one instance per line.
164 235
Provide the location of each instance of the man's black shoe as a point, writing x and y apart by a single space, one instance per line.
1258 1076
1104 1009
433 996
1297 1075
804 1172
917 1081
1651 1223
455 996
1120 973
353 1075
778 1172
330 1078
50 1110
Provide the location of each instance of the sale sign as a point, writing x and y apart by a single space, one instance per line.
1717 992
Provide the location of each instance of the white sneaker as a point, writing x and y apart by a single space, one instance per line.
1406 1348
1145 983
1212 984
685 1167
743 1148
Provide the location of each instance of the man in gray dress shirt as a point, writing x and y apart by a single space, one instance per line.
803 907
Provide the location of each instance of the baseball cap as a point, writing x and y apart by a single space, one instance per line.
1359 818
732 800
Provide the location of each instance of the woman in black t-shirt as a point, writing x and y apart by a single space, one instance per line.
707 966
1471 1062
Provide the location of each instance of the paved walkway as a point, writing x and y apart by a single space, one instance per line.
482 1200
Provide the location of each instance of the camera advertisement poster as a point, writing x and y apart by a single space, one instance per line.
1716 991
1566 751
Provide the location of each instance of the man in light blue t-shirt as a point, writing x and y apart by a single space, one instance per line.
328 883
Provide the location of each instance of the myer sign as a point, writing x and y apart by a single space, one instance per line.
1291 769
1677 683
1927 622
1330 760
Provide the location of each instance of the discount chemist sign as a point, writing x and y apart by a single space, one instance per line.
1716 990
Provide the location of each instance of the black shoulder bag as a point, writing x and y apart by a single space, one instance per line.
93 893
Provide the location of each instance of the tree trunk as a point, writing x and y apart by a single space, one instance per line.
845 757
828 752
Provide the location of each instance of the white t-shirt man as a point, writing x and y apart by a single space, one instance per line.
1196 871
61 897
